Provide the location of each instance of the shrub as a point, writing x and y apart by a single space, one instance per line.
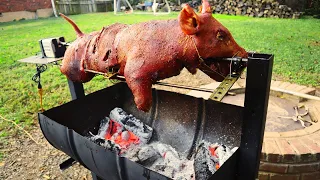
313 7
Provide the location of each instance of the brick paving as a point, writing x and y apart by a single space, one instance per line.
293 155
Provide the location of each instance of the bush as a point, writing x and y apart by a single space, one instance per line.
313 7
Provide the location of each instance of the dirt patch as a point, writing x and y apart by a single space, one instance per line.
315 43
187 79
27 160
317 91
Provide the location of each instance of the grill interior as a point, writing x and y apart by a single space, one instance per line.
178 120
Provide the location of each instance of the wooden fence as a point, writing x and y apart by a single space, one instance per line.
83 6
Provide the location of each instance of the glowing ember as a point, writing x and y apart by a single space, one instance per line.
121 132
123 138
129 122
213 152
209 158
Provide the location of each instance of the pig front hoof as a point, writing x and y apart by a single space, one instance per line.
143 104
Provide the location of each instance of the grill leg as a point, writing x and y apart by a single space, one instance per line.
255 110
76 89
95 177
66 164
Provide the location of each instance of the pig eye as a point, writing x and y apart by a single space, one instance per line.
221 35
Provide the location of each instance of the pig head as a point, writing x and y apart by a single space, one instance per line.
150 51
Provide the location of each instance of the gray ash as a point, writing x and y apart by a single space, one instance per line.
147 155
157 156
163 159
104 124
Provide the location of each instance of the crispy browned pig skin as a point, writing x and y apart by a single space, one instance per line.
150 51
89 51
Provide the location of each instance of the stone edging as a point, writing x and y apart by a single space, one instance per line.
292 155
297 133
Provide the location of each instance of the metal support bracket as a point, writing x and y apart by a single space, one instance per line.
219 93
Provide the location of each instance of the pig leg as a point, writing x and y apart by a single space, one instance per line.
192 70
140 84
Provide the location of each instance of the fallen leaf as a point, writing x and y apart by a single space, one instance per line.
46 176
2 164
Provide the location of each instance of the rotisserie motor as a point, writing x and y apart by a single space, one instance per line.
150 51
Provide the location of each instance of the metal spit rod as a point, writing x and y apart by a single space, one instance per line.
122 78
236 59
219 92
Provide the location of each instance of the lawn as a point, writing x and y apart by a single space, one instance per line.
295 43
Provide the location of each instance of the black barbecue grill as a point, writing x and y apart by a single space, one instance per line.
178 120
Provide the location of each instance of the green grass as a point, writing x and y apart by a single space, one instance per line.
295 43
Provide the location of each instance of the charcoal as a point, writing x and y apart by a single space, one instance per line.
160 167
132 154
173 172
104 124
110 145
168 171
137 127
224 154
187 173
148 155
99 141
185 178
119 115
170 157
171 164
114 136
204 166
125 135
165 149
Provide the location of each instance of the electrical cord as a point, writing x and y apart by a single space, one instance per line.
37 78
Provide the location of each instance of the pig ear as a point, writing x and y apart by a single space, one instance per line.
189 21
206 7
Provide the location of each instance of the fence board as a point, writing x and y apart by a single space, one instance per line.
83 6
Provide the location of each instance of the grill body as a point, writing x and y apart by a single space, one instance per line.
179 120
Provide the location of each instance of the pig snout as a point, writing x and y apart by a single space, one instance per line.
222 68
241 53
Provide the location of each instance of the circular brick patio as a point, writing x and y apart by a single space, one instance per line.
293 155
